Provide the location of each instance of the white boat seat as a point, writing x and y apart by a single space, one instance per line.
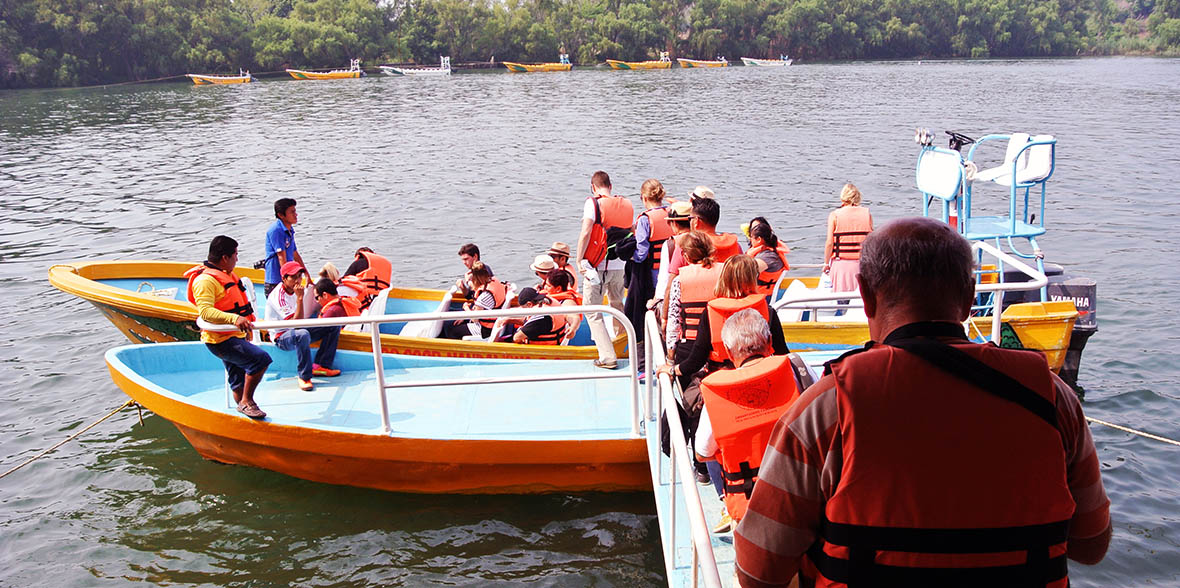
1039 166
1016 142
940 173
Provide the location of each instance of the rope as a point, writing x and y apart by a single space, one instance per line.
67 439
1133 431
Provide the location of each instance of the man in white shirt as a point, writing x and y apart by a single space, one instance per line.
285 303
606 210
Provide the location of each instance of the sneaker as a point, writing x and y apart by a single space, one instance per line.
606 364
306 385
703 478
726 523
323 372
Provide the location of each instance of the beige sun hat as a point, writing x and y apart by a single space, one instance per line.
543 264
559 248
701 192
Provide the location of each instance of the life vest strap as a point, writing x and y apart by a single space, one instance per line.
849 247
241 309
745 476
862 570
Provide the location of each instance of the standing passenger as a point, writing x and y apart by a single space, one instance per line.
280 242
848 226
924 459
602 212
221 299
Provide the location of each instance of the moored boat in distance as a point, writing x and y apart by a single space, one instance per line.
443 69
354 71
690 63
475 426
243 77
147 302
662 63
782 61
563 64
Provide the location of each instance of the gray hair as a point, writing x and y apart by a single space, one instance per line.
745 333
918 261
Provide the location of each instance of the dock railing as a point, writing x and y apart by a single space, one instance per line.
828 300
374 321
660 392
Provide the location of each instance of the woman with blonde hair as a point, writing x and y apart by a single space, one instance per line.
848 226
651 231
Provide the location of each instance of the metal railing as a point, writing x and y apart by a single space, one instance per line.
659 395
375 320
1037 281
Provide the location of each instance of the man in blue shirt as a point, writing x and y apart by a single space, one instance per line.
280 242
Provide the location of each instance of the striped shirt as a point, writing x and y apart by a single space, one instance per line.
801 471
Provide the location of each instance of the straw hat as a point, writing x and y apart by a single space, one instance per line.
559 248
701 192
680 211
543 264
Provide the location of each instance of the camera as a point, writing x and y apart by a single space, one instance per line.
260 264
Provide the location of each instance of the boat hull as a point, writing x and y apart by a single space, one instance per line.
144 318
204 80
691 63
536 67
384 461
750 61
630 65
300 74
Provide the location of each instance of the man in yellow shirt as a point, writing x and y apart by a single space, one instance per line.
220 299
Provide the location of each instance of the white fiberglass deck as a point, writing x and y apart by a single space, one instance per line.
545 410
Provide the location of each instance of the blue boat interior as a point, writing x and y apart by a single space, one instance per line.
392 306
350 402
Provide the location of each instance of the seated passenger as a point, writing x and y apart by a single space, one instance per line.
542 266
469 253
560 252
770 252
541 329
742 405
366 277
561 291
286 303
487 293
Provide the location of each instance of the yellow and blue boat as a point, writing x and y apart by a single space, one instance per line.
146 301
354 71
691 63
662 63
562 65
243 77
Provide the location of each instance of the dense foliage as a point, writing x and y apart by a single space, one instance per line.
78 42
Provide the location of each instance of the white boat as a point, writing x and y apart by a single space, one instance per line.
443 69
783 61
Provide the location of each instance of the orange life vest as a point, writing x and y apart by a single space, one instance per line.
767 279
610 211
351 306
744 404
725 246
371 281
562 295
556 334
946 479
499 292
721 309
697 284
657 219
851 229
233 300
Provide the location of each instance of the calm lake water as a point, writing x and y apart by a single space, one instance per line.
416 167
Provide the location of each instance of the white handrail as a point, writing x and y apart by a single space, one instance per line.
1038 280
379 367
701 540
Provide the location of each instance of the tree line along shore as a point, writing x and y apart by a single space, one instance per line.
51 43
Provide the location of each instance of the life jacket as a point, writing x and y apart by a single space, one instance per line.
851 229
351 306
946 479
371 281
657 218
744 404
767 279
725 246
562 295
556 334
610 212
574 273
721 309
233 300
499 292
697 284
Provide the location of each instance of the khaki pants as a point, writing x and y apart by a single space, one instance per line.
611 285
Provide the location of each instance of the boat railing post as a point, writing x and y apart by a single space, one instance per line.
379 370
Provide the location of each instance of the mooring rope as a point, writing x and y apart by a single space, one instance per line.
67 439
1133 431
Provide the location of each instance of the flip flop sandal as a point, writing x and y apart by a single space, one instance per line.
252 411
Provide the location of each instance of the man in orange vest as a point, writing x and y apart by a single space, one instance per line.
220 299
602 211
924 459
741 406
